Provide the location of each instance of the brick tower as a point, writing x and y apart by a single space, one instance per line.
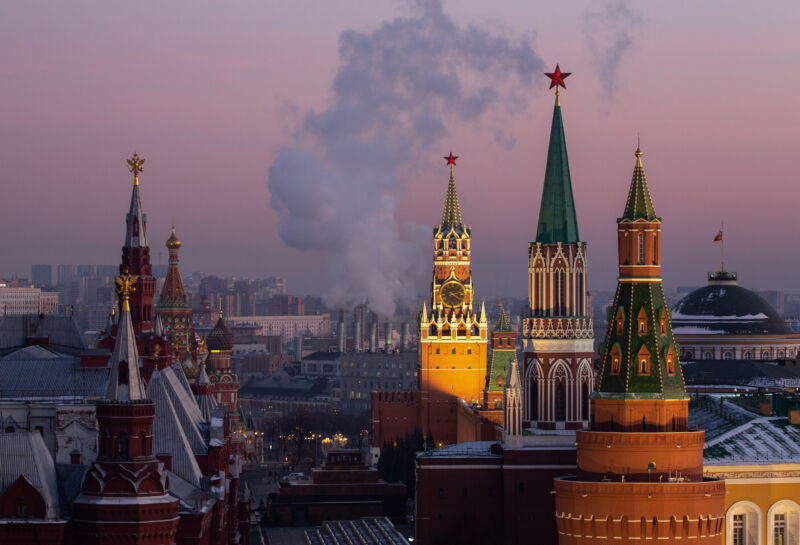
504 351
224 379
640 471
453 338
125 494
173 307
558 342
136 257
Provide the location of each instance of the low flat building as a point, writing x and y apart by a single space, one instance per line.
286 326
344 488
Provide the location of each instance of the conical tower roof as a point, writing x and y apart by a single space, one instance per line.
557 218
502 322
124 380
451 216
173 295
220 338
639 204
513 380
135 236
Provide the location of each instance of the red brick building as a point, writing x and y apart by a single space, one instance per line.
343 488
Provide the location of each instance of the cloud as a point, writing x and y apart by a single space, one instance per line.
396 91
609 35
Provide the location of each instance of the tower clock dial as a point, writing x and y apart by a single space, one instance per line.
452 293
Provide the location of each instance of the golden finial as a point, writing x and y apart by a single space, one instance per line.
135 166
220 308
126 285
558 97
638 153
156 352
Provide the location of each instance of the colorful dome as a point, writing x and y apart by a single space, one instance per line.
220 337
173 242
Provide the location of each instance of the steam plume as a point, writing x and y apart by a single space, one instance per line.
608 36
395 92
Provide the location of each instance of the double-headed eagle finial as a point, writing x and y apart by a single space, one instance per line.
135 166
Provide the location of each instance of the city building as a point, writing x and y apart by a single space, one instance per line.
361 373
287 327
42 275
558 337
342 489
16 301
724 321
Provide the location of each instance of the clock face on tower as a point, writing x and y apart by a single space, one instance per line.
452 293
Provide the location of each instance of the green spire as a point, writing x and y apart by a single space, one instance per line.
451 216
557 219
639 204
502 322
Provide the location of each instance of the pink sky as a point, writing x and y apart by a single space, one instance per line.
209 93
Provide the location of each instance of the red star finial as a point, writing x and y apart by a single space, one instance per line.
451 159
557 77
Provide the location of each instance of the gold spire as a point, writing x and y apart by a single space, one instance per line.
220 308
558 97
135 166
638 153
126 285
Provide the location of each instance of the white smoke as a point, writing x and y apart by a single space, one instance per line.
609 35
395 92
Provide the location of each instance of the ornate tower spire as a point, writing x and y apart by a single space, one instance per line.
557 218
173 307
559 323
504 351
512 432
136 255
451 217
640 356
124 380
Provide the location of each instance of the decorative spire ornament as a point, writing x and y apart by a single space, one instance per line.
557 78
135 166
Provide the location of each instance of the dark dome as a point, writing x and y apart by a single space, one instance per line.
220 337
728 308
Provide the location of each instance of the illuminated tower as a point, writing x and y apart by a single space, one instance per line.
640 471
504 351
125 493
558 343
173 307
452 337
136 256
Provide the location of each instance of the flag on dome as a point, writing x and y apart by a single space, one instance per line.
718 238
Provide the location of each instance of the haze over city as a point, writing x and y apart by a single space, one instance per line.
225 101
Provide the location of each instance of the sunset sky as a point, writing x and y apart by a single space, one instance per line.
213 95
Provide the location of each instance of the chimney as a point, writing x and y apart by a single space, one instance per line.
373 335
405 337
387 333
342 332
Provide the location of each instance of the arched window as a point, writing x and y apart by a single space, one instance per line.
708 355
641 320
765 355
727 355
500 382
783 523
561 402
670 362
640 243
122 445
662 322
743 524
585 401
616 359
643 360
620 321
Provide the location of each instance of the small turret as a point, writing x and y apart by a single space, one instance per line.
124 379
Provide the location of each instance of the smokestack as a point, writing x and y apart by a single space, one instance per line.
342 332
298 348
405 338
387 334
360 327
373 335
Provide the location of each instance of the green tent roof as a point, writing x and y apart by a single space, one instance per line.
502 322
451 217
557 218
639 204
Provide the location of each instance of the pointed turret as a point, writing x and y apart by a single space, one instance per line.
173 306
557 218
124 379
639 205
512 432
135 235
502 322
451 217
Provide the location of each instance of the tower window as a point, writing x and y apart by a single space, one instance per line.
641 248
642 322
469 350
453 350
643 367
615 366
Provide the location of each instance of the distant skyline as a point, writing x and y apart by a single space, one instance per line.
211 95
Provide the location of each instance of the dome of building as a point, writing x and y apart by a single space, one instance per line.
173 242
724 307
220 337
725 321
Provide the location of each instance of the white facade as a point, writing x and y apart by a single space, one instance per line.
287 326
19 301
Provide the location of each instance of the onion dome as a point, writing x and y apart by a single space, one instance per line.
220 337
722 307
173 242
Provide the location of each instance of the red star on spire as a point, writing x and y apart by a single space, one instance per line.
451 159
557 77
